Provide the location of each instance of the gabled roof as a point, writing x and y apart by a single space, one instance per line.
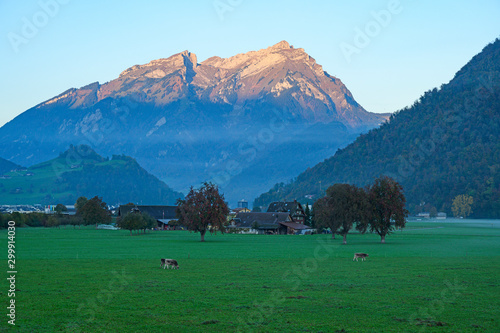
295 226
282 206
156 212
265 220
241 210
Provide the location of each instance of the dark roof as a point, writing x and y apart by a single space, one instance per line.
265 220
157 212
282 206
296 226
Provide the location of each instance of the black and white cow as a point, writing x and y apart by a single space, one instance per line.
169 262
360 255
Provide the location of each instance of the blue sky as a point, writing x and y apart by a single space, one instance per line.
386 52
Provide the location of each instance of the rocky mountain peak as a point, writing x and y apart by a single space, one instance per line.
161 67
281 45
279 74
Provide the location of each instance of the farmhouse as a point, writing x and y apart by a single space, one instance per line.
441 216
162 214
294 208
267 223
425 215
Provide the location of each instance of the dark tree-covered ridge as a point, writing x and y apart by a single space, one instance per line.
445 144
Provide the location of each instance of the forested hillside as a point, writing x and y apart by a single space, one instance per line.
6 166
446 144
80 171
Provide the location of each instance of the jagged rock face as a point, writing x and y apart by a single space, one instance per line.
248 121
281 74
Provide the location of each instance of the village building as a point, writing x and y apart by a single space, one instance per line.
441 216
425 215
294 208
269 223
240 210
242 203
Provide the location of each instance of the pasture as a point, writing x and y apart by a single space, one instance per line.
431 277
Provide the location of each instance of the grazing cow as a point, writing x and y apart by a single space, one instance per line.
360 255
169 262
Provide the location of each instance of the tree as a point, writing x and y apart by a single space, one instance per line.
95 211
80 202
433 211
136 220
173 224
148 222
387 203
462 205
53 221
256 209
343 206
75 220
322 216
308 218
255 225
203 210
60 208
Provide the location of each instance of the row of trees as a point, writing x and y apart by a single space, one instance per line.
88 212
94 211
136 220
38 219
379 208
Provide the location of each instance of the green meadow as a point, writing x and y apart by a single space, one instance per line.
430 277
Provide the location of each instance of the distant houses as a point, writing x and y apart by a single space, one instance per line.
281 218
427 215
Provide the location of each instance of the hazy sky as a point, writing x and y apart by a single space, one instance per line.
386 52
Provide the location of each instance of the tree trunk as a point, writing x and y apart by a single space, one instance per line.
382 237
333 235
345 238
130 232
202 233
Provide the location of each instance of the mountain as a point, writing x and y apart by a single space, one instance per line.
445 144
80 171
269 113
7 166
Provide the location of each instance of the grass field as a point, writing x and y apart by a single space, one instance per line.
431 277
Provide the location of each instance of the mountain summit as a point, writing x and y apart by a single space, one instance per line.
244 122
279 72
